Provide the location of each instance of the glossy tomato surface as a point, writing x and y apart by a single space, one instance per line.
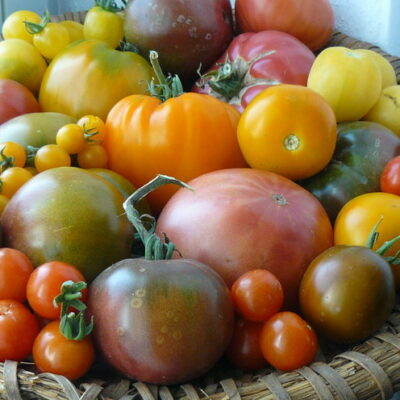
347 293
254 61
390 177
236 220
161 321
311 21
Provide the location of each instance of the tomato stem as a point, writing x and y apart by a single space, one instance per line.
155 247
34 28
6 161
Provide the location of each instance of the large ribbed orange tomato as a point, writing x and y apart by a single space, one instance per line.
184 137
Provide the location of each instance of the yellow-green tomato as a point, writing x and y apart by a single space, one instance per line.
51 40
349 80
14 27
386 110
22 62
106 26
75 29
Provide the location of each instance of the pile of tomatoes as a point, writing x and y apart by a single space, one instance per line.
284 204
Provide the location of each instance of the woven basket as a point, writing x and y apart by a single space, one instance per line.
370 370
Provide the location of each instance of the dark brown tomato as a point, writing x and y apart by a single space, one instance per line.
164 321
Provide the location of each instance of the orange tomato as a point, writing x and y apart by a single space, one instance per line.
289 130
183 137
358 216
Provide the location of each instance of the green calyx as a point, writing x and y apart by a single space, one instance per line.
168 87
372 239
155 247
6 161
73 325
30 155
33 28
109 5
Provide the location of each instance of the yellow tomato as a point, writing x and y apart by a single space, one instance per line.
22 62
12 179
75 29
51 156
289 130
93 156
14 151
358 216
71 138
14 27
349 80
51 40
93 127
386 110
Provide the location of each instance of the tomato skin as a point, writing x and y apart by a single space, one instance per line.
141 129
14 150
296 148
74 28
51 156
15 99
310 21
347 293
44 285
265 59
259 220
93 156
288 342
390 177
257 295
51 40
244 350
15 269
18 329
54 353
12 179
86 69
14 27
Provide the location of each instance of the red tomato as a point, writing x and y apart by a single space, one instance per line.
15 269
256 61
44 284
52 352
18 329
15 99
257 295
244 350
311 21
390 177
288 342
236 220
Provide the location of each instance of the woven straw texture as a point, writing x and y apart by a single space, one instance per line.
370 370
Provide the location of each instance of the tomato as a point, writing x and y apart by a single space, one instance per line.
257 295
15 269
74 28
288 342
15 99
386 111
103 23
347 293
3 202
71 215
14 27
358 216
14 151
71 138
51 156
390 177
18 329
244 350
85 70
311 21
254 61
93 127
349 80
93 156
13 179
297 147
187 34
362 150
22 62
54 353
237 220
143 137
44 285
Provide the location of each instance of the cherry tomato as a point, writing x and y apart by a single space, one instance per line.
18 329
75 29
12 179
14 27
93 156
51 156
288 342
257 295
14 150
390 177
94 128
52 352
244 350
15 269
44 284
71 138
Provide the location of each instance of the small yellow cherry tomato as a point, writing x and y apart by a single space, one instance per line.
51 156
14 27
93 127
14 151
75 29
93 156
71 138
12 179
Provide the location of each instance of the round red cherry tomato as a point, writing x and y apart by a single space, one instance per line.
390 177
